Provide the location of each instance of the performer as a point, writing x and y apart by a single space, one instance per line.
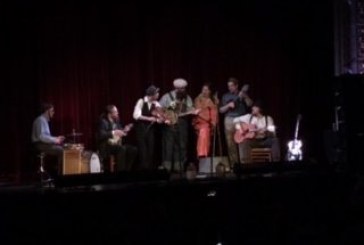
206 120
234 104
110 134
146 115
42 138
264 133
175 135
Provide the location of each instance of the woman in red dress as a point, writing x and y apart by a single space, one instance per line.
206 119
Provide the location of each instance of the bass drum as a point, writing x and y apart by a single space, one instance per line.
90 162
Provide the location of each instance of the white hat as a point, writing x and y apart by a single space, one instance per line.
179 83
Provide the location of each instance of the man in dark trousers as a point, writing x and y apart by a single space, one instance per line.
175 134
44 141
110 136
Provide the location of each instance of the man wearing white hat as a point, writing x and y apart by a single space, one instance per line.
175 135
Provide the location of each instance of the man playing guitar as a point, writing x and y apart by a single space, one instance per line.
256 130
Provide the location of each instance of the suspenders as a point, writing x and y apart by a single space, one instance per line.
266 120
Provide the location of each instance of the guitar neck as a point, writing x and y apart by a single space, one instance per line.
128 127
297 127
185 113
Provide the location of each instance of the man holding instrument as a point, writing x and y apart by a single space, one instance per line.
110 134
256 130
147 114
234 103
178 104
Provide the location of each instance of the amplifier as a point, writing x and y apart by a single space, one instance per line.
205 164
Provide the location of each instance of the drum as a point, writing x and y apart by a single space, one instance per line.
72 159
68 146
90 162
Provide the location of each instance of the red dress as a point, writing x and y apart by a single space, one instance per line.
203 123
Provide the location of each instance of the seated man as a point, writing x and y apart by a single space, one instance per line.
261 131
110 134
43 140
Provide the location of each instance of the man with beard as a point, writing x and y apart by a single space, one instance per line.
175 135
264 133
44 141
110 136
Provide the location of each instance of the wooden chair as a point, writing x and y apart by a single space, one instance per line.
261 155
108 163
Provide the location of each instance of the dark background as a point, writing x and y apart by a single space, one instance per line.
84 55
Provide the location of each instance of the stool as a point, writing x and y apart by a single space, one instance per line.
260 155
108 164
45 179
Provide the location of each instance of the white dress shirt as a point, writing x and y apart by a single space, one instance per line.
139 106
260 122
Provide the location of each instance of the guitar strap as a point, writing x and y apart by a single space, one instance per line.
183 102
171 96
266 123
266 120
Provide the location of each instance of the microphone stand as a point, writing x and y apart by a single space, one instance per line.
74 136
177 127
213 144
213 150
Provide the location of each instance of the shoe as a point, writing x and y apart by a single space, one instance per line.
48 183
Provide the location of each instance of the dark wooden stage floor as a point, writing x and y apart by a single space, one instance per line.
265 204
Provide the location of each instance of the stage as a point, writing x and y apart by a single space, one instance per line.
300 205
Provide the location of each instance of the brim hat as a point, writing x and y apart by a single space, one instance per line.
151 90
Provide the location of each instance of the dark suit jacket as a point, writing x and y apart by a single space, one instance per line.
105 129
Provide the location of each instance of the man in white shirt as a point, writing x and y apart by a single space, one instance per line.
264 136
145 126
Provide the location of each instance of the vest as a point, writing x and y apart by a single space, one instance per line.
146 112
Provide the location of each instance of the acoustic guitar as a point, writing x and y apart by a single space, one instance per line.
294 152
246 131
